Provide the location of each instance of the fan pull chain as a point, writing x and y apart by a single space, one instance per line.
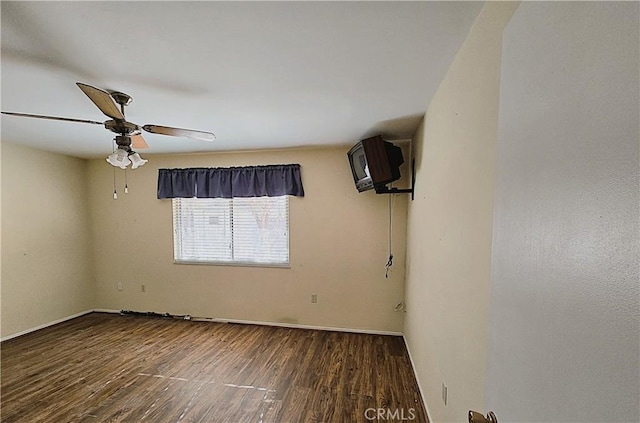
115 192
126 187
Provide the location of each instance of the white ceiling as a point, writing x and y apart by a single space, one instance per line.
259 75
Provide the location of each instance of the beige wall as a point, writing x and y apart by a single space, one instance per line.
338 249
46 254
450 225
564 325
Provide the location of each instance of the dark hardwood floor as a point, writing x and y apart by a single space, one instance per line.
110 368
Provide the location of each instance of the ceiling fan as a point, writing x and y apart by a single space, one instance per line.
128 134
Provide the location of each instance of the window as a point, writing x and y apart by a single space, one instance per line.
240 231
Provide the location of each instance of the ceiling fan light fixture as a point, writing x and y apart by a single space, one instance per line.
136 160
119 159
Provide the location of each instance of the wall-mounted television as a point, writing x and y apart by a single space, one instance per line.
374 164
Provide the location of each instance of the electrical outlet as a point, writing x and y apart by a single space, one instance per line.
143 288
314 298
444 393
119 286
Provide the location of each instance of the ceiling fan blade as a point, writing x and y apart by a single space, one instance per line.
138 142
53 118
102 99
177 132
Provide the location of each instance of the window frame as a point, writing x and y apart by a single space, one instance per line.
233 263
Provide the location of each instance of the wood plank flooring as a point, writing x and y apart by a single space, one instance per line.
111 368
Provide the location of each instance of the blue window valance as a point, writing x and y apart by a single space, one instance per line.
229 182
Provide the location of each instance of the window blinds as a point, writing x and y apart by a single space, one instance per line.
244 231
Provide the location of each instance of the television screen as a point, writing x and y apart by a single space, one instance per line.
360 168
374 163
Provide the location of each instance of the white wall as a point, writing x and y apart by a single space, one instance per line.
46 246
565 310
449 225
338 249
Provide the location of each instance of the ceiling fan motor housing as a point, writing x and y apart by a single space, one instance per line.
121 126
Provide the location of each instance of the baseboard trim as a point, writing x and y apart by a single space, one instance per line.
106 310
298 326
217 320
415 372
45 325
278 324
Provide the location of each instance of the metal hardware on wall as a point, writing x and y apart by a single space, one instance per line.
383 189
475 417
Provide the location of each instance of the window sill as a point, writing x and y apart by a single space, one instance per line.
234 264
